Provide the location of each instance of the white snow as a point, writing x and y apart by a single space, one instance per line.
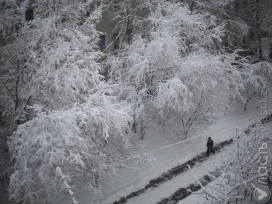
183 180
129 181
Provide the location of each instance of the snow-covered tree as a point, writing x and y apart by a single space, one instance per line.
261 15
246 165
257 76
257 79
70 124
7 16
178 76
258 15
235 28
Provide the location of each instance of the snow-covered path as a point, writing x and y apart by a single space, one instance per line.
168 188
174 172
199 199
183 180
131 181
184 152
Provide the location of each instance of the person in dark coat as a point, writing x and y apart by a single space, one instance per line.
209 146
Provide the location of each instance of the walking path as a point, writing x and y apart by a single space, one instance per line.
152 184
174 188
172 173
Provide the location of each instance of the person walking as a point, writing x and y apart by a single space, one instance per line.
209 146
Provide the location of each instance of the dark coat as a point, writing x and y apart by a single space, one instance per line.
209 143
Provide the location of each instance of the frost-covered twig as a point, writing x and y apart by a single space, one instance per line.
203 188
62 178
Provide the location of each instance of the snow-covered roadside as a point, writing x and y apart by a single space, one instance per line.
172 173
195 198
184 180
129 181
180 153
198 199
181 181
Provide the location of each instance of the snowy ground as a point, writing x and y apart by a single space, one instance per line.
198 199
171 155
182 181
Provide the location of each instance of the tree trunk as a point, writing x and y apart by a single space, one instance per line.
185 134
141 129
259 31
245 107
134 127
270 53
249 99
